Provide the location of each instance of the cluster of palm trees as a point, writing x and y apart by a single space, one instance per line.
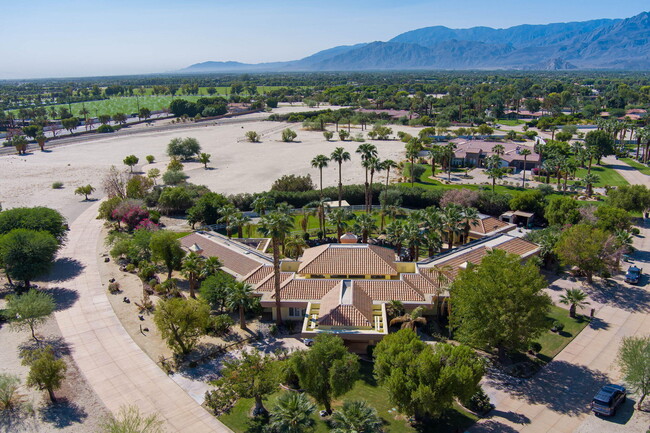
619 131
233 219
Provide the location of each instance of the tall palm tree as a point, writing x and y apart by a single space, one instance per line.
395 234
365 224
240 298
453 219
574 298
339 218
375 166
590 179
276 225
238 222
394 309
442 280
498 149
308 210
470 220
410 320
435 153
367 151
413 148
356 417
191 269
294 246
262 203
524 152
292 414
340 155
228 212
320 162
211 266
412 238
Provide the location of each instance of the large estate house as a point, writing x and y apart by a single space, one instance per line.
344 288
474 153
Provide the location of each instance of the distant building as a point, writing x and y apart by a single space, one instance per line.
474 152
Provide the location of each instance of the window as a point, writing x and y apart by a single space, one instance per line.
296 312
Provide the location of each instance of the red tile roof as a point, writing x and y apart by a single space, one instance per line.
389 290
305 289
238 262
348 259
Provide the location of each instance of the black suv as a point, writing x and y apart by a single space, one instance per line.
608 399
633 275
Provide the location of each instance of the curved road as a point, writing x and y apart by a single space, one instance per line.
119 372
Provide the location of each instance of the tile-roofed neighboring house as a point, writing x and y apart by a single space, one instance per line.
306 289
389 290
426 284
346 260
259 274
518 246
489 225
234 257
457 262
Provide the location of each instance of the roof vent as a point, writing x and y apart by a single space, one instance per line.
349 238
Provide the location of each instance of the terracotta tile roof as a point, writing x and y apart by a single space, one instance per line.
259 274
488 225
473 256
268 283
517 246
388 290
333 312
234 260
305 289
424 284
348 259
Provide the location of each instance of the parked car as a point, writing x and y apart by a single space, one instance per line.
633 275
608 399
308 341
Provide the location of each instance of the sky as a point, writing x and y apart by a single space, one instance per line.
74 38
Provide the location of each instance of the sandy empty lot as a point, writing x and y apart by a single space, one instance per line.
237 165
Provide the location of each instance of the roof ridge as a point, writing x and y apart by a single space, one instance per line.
305 264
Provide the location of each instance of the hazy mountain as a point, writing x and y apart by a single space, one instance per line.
596 44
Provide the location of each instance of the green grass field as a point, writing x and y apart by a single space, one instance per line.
510 122
365 388
553 343
635 164
129 104
608 176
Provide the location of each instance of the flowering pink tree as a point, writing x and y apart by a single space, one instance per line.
131 214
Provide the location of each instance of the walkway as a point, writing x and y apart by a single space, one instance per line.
557 399
115 367
631 174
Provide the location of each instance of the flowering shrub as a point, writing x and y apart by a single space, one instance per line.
147 224
130 214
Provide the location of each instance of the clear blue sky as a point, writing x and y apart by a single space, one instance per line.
47 38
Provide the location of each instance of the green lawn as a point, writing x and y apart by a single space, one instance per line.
510 122
367 389
635 164
553 343
608 176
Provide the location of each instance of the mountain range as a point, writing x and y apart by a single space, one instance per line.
596 44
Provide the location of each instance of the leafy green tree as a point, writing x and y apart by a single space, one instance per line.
499 303
131 161
240 298
562 211
532 200
9 397
422 380
634 361
599 143
277 226
34 218
586 248
214 289
253 136
327 370
254 375
29 310
85 190
183 148
206 209
144 113
166 248
45 371
41 139
70 124
288 135
174 200
632 198
130 420
150 159
204 158
356 416
26 254
119 118
574 298
181 322
612 219
292 414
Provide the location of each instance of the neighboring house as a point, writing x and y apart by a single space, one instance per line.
344 288
474 152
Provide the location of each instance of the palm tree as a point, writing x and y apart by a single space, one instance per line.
471 219
237 222
449 153
413 238
356 417
340 155
590 179
413 148
410 320
452 218
365 224
211 266
394 309
294 246
240 298
441 278
375 166
524 152
228 212
395 234
498 149
276 225
320 162
262 203
292 414
310 209
191 269
574 298
367 151
339 218
435 153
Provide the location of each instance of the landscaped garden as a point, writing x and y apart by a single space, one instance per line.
553 342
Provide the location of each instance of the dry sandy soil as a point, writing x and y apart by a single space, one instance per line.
237 165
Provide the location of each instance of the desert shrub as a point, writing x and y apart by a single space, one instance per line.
114 288
288 135
464 197
535 347
103 129
220 325
57 185
558 326
478 403
292 182
130 268
175 200
183 148
9 397
252 136
150 159
174 177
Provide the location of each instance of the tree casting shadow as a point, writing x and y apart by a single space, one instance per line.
64 298
63 414
65 269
